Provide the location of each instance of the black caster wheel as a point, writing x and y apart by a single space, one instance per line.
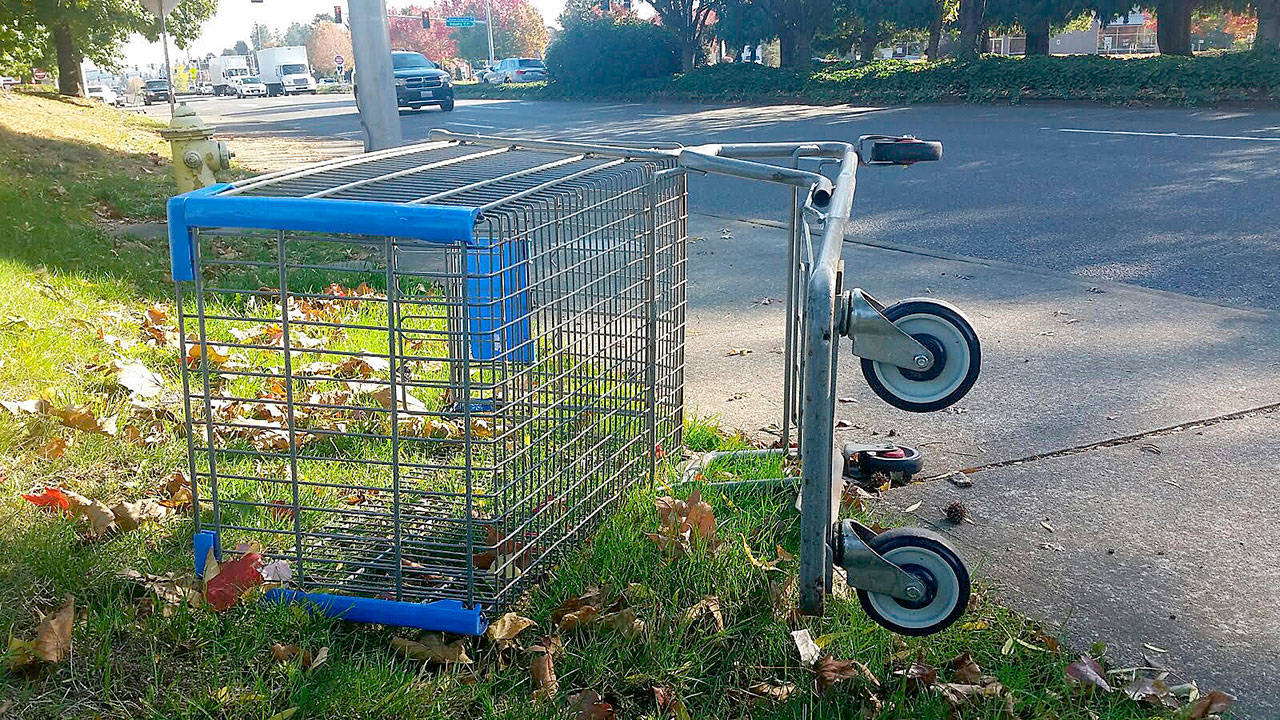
956 351
900 462
928 556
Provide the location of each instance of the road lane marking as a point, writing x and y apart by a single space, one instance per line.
1168 134
474 125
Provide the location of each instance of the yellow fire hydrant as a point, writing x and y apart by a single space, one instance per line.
196 155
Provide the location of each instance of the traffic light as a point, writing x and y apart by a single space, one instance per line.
426 21
337 14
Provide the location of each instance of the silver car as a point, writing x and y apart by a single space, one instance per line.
516 70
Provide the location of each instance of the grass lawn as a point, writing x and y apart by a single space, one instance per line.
73 307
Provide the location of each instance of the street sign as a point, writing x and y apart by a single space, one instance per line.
160 8
461 21
339 60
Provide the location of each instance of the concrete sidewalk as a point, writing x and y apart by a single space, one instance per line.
1141 426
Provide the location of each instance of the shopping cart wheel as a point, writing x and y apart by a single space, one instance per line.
956 352
902 460
928 556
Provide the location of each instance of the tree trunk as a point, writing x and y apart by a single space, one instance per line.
867 48
1038 36
935 32
687 55
69 57
972 16
1173 27
1268 37
796 45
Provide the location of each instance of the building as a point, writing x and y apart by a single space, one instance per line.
1126 35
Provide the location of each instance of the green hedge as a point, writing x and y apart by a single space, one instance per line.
1203 80
609 53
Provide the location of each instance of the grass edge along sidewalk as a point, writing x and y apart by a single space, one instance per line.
1210 79
705 633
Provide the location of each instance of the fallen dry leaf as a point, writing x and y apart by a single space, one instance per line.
129 515
55 448
774 692
1087 672
920 674
98 515
831 671
623 622
707 607
508 627
53 634
83 419
964 669
669 703
231 579
433 649
138 379
684 523
591 707
21 654
1215 703
51 499
542 670
1152 691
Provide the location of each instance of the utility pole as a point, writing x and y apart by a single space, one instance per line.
375 82
488 25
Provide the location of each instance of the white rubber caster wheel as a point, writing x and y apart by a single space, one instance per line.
928 556
956 352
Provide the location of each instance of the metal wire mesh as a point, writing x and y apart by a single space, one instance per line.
416 421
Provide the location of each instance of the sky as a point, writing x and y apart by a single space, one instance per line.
235 17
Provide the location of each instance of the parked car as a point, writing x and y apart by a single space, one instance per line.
7 81
103 93
327 81
250 86
419 82
204 88
155 91
517 70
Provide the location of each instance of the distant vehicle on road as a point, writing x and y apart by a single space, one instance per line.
204 88
419 82
155 91
327 81
7 81
225 71
285 71
517 70
251 86
103 93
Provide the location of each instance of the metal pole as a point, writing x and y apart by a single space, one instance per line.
488 25
168 69
371 46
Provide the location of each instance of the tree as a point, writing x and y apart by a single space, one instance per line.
740 23
1268 36
576 11
973 21
328 40
1037 18
297 34
1173 21
22 49
864 24
240 48
408 34
261 36
688 20
518 29
97 29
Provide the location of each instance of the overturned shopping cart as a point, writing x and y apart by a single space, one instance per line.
422 375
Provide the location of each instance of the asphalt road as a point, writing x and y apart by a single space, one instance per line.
1186 201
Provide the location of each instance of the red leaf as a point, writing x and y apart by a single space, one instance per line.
233 579
51 499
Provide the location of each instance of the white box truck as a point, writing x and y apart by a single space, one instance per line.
226 71
285 70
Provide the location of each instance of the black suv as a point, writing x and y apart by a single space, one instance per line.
419 81
155 91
